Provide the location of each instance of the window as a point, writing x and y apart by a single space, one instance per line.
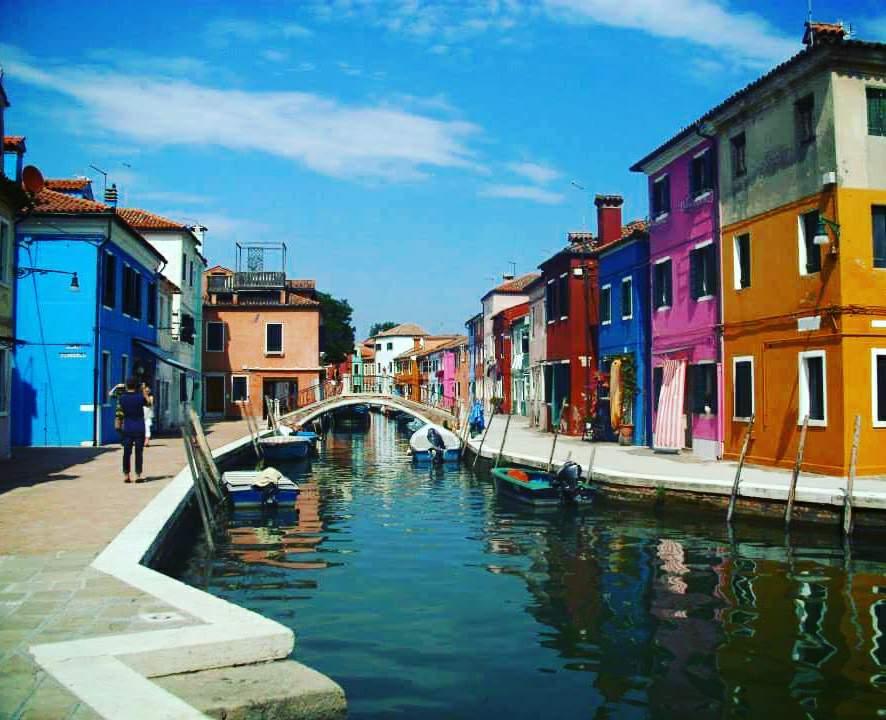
743 387
738 146
876 111
804 120
239 388
700 176
124 368
661 196
741 261
5 363
606 304
878 387
274 339
152 303
813 390
184 269
183 387
551 305
878 220
564 296
191 274
132 292
703 272
390 346
215 336
5 258
524 342
657 382
810 255
661 284
109 288
106 377
703 382
627 298
378 346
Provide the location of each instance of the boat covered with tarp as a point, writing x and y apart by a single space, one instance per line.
434 443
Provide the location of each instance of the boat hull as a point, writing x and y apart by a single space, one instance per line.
536 488
424 456
243 492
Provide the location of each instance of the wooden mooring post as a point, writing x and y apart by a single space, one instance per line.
202 500
792 490
556 433
850 482
741 457
483 439
591 463
504 437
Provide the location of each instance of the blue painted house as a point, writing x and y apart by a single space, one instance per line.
79 336
624 328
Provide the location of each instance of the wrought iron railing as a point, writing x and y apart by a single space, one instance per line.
247 281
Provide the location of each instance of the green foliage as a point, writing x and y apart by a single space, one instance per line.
336 331
380 327
628 379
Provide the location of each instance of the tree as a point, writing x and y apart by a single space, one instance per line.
381 327
336 331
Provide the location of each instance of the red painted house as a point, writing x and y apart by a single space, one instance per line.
501 328
572 316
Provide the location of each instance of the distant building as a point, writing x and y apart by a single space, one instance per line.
261 334
538 353
502 323
80 336
391 343
476 356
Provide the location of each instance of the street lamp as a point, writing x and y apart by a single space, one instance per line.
821 234
23 272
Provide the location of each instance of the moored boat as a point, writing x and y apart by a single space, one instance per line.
434 443
537 487
264 488
285 447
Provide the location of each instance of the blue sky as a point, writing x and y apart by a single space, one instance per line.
405 151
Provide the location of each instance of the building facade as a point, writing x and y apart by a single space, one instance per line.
812 226
519 340
392 343
684 240
476 358
261 339
538 354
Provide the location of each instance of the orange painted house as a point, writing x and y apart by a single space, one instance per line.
802 175
261 338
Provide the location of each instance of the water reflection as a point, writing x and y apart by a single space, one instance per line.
426 595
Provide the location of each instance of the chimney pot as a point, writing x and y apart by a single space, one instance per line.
608 217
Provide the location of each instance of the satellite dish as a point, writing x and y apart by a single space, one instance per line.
32 179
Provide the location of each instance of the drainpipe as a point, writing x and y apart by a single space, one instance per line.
97 401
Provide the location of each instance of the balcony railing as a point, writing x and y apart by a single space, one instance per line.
247 281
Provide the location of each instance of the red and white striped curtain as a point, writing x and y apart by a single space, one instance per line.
669 421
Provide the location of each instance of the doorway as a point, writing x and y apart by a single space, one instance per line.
285 392
215 395
687 408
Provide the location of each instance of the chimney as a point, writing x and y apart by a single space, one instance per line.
199 232
819 33
608 218
507 277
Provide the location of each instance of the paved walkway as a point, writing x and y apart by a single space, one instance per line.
641 467
59 508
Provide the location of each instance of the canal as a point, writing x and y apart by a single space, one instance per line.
425 595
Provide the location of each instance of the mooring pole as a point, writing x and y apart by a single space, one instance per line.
201 500
556 433
483 439
792 491
741 457
591 463
504 437
850 483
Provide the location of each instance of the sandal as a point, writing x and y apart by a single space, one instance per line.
127 479
139 479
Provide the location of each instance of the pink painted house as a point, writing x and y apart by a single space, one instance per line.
452 352
685 295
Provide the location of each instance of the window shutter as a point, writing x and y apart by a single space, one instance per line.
695 274
878 216
657 380
711 267
669 298
667 193
744 260
813 255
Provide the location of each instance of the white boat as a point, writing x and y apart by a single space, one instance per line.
254 488
434 443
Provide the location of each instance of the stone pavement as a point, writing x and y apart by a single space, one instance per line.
641 467
59 508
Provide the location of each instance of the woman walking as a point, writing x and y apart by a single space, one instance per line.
149 414
132 404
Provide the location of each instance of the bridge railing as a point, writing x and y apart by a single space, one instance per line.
318 392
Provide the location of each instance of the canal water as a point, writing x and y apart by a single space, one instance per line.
425 595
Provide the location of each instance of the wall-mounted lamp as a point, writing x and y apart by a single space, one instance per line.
23 272
821 234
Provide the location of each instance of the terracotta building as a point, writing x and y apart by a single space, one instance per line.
261 338
503 344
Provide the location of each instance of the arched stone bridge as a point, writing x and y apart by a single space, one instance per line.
303 416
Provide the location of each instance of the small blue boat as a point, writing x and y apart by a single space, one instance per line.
537 487
434 443
285 447
313 437
267 488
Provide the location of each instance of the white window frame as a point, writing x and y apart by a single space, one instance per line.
224 335
661 178
803 384
106 379
629 281
246 377
608 287
6 262
736 261
875 353
801 248
282 339
666 258
5 377
735 360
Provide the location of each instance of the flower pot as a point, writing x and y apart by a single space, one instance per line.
626 435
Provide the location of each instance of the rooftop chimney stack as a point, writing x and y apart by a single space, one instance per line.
608 217
507 277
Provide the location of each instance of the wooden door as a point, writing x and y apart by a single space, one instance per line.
215 395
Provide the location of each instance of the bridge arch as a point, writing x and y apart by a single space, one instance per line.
304 415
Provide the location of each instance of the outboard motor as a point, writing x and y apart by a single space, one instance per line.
568 479
438 447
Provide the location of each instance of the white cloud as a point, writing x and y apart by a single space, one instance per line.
745 36
537 173
523 192
322 133
275 56
223 30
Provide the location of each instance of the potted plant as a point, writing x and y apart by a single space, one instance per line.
628 393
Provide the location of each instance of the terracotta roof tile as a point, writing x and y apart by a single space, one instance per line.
68 184
144 220
404 329
52 201
14 143
517 286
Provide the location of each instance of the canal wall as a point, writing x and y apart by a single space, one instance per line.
640 476
226 662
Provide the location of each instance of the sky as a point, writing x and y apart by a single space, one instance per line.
408 152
